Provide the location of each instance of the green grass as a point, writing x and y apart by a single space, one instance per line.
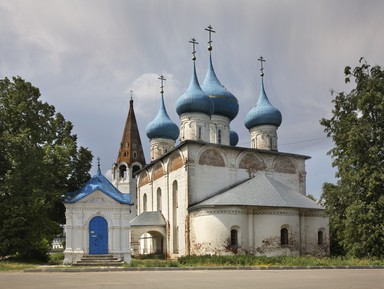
16 266
274 261
210 261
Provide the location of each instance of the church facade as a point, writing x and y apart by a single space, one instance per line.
206 195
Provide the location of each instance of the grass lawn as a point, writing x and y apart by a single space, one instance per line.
211 261
16 266
239 261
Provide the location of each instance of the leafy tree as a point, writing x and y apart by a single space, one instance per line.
39 162
356 203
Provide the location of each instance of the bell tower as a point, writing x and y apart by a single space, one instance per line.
130 158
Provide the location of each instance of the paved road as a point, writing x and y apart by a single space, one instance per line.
236 279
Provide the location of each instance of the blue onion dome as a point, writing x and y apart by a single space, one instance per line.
194 99
263 113
162 126
225 103
233 138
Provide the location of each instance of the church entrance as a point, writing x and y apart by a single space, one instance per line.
151 243
98 236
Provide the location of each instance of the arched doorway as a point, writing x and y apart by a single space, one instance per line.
98 236
152 242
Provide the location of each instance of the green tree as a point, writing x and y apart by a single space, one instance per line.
39 162
356 203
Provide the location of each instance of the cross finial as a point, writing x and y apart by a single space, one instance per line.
194 42
131 94
162 83
98 166
261 59
210 30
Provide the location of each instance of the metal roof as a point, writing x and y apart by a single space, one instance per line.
98 182
162 126
263 113
155 218
194 99
224 102
260 191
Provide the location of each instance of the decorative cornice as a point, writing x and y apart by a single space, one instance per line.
245 211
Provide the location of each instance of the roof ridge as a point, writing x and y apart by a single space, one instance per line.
222 191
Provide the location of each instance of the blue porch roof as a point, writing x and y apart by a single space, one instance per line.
98 182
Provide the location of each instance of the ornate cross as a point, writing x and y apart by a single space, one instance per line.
194 42
261 59
210 30
162 83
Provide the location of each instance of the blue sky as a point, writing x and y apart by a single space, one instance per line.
86 55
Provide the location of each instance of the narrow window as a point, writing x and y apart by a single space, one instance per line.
135 154
159 200
174 217
145 203
234 237
284 236
199 133
320 239
219 136
135 169
122 171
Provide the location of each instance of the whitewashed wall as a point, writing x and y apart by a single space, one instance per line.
79 215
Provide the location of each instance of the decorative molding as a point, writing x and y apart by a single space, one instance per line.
207 212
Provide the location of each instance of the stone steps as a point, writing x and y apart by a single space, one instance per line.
101 260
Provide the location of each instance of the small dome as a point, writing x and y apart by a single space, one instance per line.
194 99
224 102
162 126
263 113
233 138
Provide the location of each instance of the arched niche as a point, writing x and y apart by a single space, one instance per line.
284 164
211 157
143 178
175 161
252 161
158 171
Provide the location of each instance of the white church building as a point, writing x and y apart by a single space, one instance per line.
204 195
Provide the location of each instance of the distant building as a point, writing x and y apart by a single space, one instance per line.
204 195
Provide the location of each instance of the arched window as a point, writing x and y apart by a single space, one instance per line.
175 226
122 171
145 203
159 207
234 237
320 237
135 169
284 236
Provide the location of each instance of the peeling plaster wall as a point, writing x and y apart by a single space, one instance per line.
314 223
258 231
203 170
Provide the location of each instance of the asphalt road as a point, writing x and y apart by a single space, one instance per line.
234 279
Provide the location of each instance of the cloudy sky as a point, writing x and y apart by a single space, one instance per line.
86 56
